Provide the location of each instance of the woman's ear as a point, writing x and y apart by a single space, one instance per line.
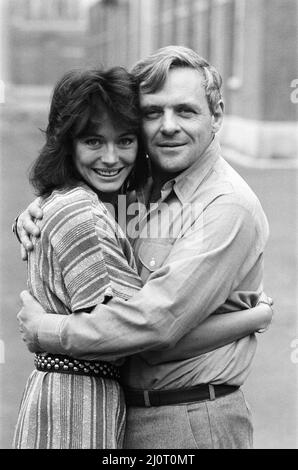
217 116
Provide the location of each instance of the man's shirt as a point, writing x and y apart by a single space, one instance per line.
199 249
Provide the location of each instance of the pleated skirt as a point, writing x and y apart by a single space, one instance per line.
65 411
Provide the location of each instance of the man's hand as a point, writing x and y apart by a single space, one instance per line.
28 318
26 226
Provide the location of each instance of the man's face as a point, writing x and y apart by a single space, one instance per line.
177 123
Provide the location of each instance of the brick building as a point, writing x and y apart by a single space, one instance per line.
45 39
253 43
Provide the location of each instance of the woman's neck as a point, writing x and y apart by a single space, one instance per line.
110 198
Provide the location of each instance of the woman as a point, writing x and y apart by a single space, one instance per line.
82 257
93 151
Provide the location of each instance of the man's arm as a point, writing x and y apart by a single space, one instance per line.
25 226
198 276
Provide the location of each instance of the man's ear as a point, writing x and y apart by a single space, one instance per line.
217 117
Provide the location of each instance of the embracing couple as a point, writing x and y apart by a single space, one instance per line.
142 338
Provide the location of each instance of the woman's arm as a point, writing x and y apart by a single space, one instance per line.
217 331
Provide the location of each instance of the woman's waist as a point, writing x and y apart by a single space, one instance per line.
47 362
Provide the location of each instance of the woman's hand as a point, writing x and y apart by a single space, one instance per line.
266 313
26 226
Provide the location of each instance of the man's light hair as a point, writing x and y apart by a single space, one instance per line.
152 71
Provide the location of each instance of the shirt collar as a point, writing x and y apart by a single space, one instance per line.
186 183
189 180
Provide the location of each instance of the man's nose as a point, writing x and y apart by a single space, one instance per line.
109 155
169 123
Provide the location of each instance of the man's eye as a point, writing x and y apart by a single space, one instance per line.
185 112
152 114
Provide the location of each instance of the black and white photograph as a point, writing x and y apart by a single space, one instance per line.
148 213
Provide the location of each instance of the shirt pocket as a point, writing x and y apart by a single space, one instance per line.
152 255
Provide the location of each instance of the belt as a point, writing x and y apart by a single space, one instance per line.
69 365
198 393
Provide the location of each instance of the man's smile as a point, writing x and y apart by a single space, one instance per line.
171 144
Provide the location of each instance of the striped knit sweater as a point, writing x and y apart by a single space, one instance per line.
82 256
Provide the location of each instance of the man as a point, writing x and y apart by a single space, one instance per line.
192 269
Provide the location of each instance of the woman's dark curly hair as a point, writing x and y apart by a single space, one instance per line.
78 99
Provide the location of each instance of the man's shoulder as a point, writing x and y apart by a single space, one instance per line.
236 189
237 198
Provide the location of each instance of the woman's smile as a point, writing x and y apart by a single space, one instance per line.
105 173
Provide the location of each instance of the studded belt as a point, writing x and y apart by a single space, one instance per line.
69 365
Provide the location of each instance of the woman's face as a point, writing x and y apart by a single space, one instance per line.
106 157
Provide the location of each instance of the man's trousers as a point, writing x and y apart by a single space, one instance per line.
223 423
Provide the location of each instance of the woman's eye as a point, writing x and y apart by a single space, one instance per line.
127 141
93 142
